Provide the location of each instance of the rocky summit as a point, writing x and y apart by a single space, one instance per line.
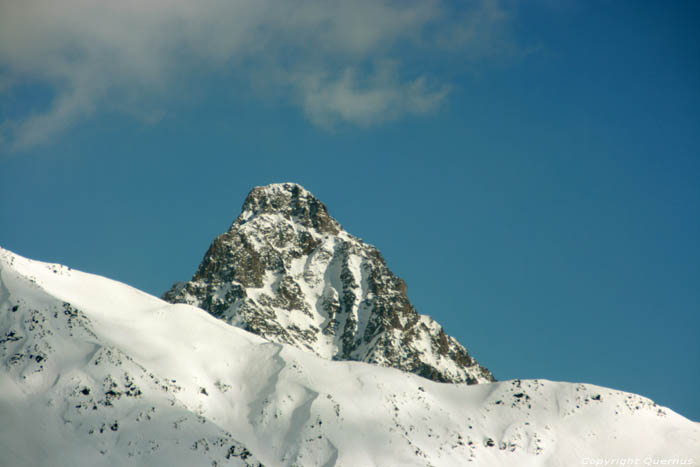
287 271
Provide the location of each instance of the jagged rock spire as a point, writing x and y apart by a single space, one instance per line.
286 270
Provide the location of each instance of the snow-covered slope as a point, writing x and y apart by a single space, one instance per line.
287 271
94 372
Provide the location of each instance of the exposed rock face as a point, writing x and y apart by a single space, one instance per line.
287 271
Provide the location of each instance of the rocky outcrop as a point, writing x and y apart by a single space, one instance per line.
287 271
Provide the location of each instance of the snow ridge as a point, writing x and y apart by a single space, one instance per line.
96 373
287 271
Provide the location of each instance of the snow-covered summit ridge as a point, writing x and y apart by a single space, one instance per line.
287 271
293 202
96 373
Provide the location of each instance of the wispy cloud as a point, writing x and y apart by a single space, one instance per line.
365 99
341 62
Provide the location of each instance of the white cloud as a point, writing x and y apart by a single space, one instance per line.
340 61
365 100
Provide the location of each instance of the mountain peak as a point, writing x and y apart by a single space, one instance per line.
293 202
287 271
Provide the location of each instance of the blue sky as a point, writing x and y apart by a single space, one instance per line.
531 169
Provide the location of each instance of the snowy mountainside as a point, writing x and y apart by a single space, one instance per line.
287 271
94 372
